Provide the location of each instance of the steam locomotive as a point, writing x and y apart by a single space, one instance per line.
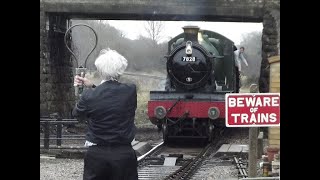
200 71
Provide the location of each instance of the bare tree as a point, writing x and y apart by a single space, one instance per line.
142 54
122 34
154 30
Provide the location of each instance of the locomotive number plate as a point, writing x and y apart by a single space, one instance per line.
188 59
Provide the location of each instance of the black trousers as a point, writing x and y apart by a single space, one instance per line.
110 163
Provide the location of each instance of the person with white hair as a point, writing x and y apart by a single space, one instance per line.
110 110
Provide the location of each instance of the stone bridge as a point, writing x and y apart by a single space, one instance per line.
56 68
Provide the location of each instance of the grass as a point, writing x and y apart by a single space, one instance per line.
141 117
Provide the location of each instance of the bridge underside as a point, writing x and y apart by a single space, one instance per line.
189 10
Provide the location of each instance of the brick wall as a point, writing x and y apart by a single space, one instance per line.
56 68
44 68
270 44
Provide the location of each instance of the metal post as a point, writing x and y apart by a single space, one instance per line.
46 135
59 132
253 143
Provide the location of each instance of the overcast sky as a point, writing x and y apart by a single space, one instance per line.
233 31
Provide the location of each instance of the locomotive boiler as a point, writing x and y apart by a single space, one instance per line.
200 71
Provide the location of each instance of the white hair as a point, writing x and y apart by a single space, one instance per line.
110 64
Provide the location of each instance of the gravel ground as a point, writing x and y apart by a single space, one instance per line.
72 169
237 136
61 169
148 133
224 173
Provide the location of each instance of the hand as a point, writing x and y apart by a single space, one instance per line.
79 80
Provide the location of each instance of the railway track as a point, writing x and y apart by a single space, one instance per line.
225 167
221 167
181 162
164 162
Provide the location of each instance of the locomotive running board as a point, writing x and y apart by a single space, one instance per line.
167 95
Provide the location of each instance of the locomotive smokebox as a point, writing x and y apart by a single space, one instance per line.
191 33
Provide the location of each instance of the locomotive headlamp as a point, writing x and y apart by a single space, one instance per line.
160 112
213 112
188 47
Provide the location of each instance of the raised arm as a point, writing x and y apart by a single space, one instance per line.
243 59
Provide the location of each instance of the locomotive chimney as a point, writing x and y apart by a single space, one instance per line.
200 35
191 33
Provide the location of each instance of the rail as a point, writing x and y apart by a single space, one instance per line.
47 122
149 152
241 167
261 178
188 168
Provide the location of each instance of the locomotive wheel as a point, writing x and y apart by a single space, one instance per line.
159 127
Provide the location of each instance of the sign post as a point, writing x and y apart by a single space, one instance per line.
253 143
253 110
253 147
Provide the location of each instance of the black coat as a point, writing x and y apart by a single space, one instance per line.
110 110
